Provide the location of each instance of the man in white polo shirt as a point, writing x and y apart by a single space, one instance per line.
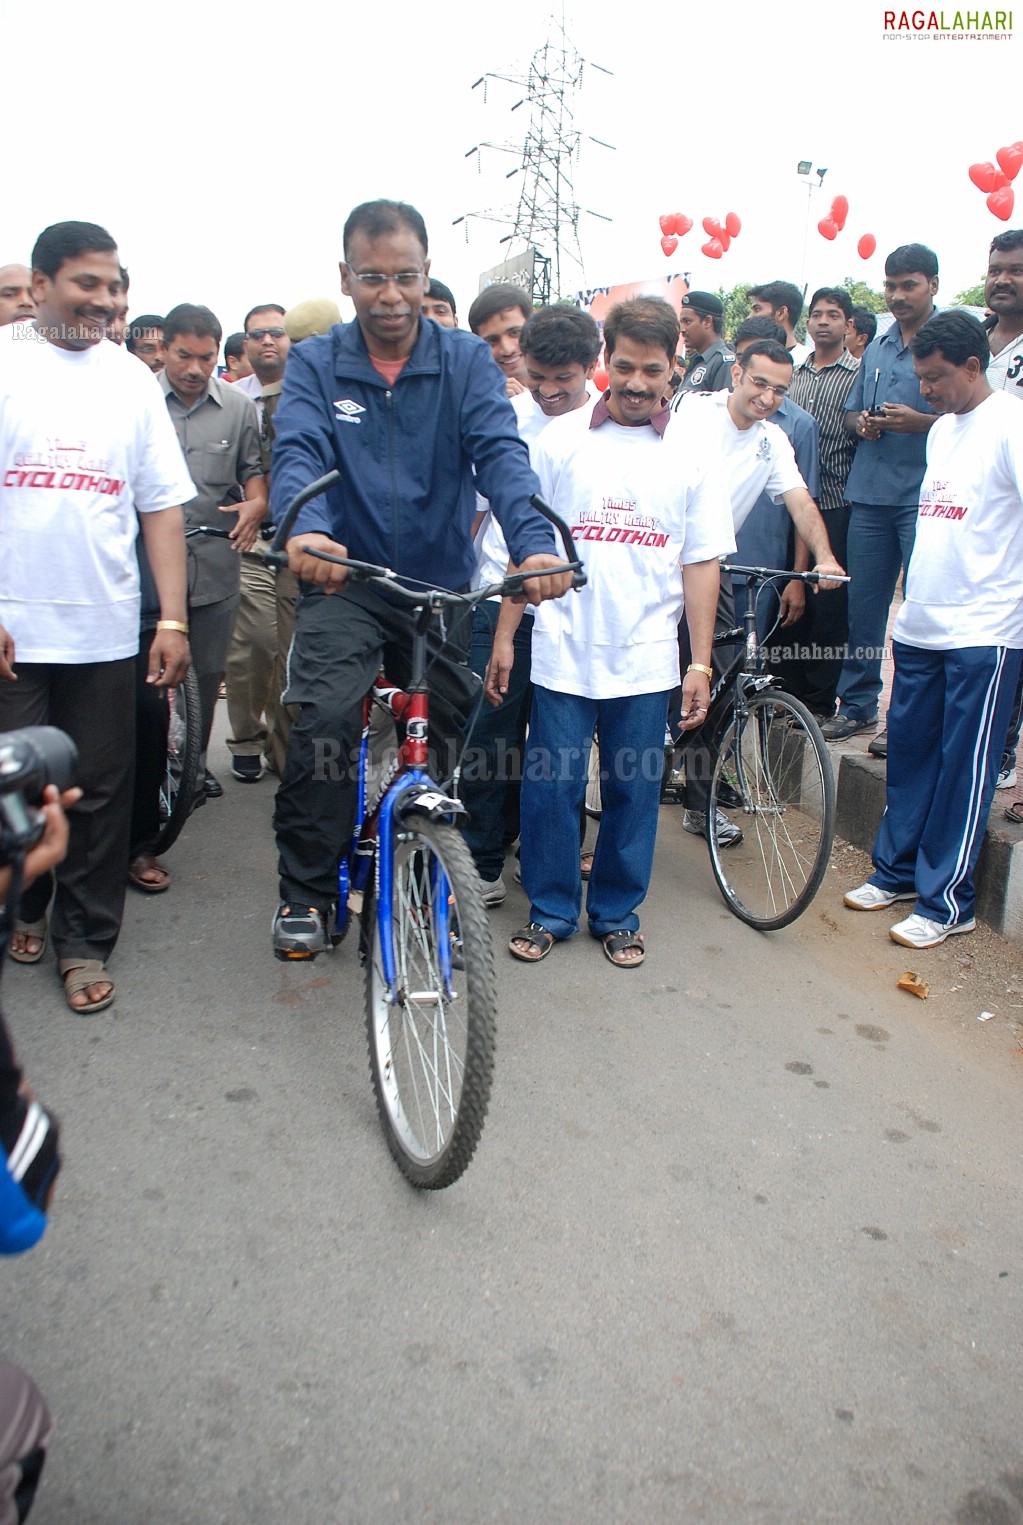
958 642
649 514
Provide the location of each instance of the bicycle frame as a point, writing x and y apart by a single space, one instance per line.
407 788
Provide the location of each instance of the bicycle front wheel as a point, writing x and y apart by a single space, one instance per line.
184 739
431 1049
775 759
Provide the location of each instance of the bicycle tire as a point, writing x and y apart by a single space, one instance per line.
432 1052
776 759
184 740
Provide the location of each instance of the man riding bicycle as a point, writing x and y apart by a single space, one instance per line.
404 410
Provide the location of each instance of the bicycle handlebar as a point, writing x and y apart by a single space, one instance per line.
764 574
384 577
208 529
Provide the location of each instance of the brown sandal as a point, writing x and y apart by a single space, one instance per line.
80 974
36 929
144 864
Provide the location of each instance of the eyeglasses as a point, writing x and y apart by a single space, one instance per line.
761 384
266 333
374 281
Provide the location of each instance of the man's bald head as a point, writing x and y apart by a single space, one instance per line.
16 301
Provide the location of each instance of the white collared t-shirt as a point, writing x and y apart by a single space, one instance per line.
638 504
755 460
85 440
965 581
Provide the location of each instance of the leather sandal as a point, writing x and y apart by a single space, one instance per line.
535 937
617 943
79 975
36 929
144 864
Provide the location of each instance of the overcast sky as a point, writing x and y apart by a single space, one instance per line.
223 144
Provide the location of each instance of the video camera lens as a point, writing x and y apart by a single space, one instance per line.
29 760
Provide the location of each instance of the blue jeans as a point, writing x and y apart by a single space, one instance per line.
553 786
880 545
492 766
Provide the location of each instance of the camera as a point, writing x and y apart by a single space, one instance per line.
29 760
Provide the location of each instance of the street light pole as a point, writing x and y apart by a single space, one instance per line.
805 171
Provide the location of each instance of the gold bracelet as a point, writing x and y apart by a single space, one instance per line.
708 672
172 625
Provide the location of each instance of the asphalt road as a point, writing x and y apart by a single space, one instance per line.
742 1241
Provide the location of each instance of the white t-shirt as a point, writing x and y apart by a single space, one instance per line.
1005 371
758 459
638 505
965 581
491 547
85 440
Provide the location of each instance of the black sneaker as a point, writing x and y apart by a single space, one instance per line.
247 770
212 788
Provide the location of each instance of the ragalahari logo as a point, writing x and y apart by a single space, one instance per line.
947 26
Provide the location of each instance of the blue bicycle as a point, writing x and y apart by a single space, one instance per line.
425 940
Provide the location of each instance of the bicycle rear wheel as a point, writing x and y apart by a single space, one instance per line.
776 760
177 790
432 1050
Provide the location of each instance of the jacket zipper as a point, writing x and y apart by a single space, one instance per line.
390 462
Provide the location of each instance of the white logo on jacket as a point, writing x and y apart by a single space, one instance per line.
348 411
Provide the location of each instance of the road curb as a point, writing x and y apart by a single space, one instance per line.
999 874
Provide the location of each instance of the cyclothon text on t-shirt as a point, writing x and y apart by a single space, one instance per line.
85 441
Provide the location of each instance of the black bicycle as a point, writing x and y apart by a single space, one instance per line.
184 743
772 771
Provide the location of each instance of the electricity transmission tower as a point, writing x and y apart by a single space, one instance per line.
546 218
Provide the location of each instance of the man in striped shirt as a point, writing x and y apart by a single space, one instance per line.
821 385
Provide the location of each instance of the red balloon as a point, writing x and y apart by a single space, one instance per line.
733 227
682 224
600 379
866 246
1001 202
713 227
1010 159
669 245
667 222
839 211
827 229
724 241
983 176
712 250
1001 180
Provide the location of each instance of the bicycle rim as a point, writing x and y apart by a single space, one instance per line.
432 1050
177 788
775 757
